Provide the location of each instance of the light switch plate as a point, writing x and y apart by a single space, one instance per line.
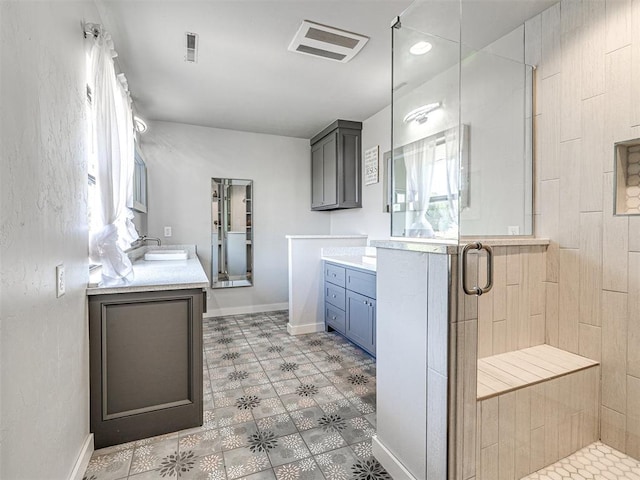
167 231
60 280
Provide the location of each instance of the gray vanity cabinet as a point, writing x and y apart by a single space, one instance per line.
145 352
336 179
350 304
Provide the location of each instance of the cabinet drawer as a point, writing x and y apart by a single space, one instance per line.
360 282
334 317
334 274
334 295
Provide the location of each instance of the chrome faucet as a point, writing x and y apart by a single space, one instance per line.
144 238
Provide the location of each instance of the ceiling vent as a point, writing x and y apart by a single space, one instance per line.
327 42
192 48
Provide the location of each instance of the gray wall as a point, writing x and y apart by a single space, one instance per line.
181 161
44 397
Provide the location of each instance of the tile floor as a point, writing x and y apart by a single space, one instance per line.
275 407
596 461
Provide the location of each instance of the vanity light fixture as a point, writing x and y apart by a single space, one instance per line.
421 114
420 48
141 125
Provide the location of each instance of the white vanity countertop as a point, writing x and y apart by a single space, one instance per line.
312 237
351 261
153 276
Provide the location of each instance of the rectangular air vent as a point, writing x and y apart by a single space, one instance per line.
327 42
192 48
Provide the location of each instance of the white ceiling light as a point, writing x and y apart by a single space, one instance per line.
420 48
421 114
141 125
327 42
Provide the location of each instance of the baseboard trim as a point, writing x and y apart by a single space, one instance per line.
221 312
389 461
304 329
83 459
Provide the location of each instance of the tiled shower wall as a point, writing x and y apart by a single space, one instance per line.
587 98
512 315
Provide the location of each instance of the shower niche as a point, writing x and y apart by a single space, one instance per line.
627 177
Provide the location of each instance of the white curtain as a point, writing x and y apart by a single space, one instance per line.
114 145
419 160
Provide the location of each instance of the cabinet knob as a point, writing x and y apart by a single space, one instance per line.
334 274
366 303
333 296
333 318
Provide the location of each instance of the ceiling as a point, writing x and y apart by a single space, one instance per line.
245 78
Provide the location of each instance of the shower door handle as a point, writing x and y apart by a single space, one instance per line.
476 290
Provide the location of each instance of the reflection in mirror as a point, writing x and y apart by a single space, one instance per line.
231 233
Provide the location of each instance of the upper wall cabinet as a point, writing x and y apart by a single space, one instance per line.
336 180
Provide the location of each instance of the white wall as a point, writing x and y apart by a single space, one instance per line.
370 219
182 159
44 384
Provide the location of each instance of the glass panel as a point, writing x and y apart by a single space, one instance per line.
496 106
232 233
426 134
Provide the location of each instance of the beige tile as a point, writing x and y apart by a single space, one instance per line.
551 314
438 324
615 245
499 290
537 324
633 319
513 320
523 433
537 449
590 278
469 398
634 233
536 268
537 406
485 319
569 215
590 341
489 421
549 130
633 417
594 36
490 465
595 152
613 428
614 350
618 105
568 300
506 425
499 337
551 41
635 65
549 224
514 265
551 412
571 67
618 22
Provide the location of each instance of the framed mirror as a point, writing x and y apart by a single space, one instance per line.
231 233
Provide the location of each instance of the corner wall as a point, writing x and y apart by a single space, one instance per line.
588 97
44 372
181 161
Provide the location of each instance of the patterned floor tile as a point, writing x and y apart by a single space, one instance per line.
306 469
275 407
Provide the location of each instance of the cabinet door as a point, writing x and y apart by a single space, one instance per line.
324 172
349 179
361 325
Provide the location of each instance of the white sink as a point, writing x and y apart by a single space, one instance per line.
166 255
369 260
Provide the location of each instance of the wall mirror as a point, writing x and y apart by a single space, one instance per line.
231 233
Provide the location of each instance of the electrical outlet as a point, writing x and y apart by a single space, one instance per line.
60 280
513 230
167 231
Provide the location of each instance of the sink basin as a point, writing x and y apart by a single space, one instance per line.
369 260
166 255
